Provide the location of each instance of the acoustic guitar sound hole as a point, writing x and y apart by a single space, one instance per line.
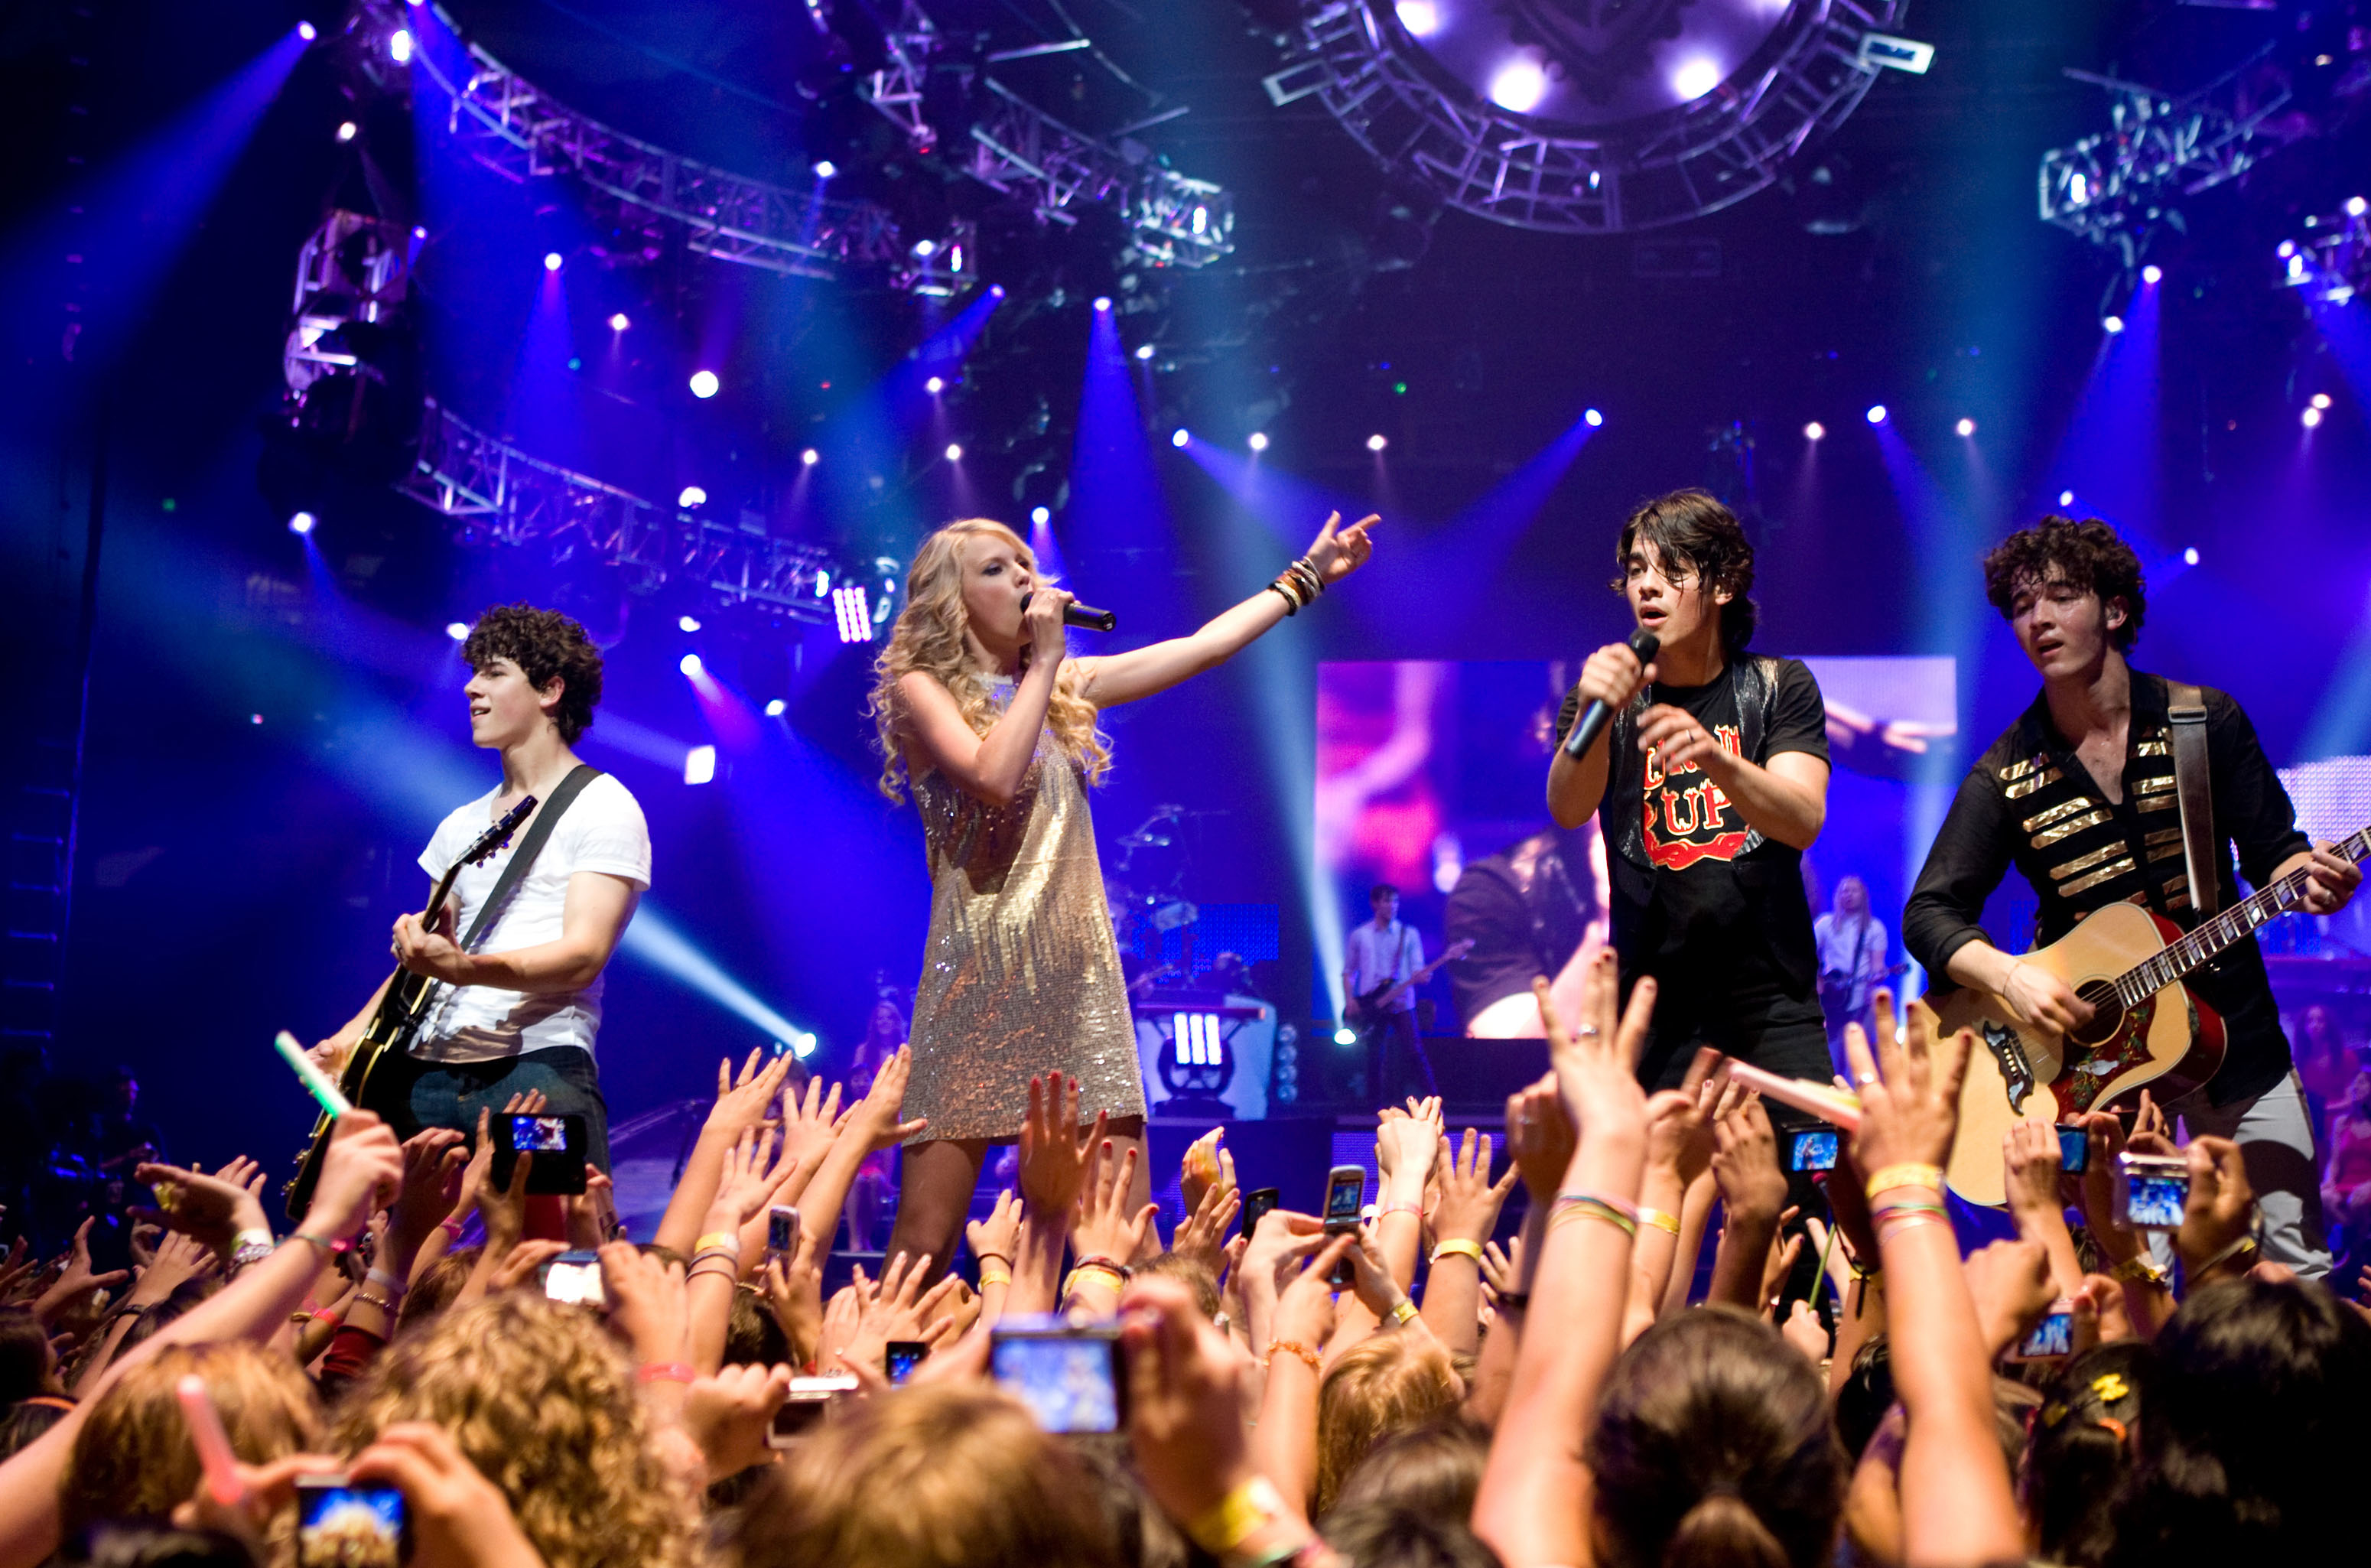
2107 1015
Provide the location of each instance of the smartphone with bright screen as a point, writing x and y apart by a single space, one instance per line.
339 1525
540 1134
2074 1150
1070 1378
1814 1149
1258 1204
558 1143
2051 1337
575 1278
2151 1191
781 1230
810 1401
1346 1190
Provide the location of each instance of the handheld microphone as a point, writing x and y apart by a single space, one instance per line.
1076 615
1585 730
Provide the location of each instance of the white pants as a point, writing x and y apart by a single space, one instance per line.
2275 1138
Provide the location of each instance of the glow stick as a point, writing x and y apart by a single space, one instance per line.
324 1088
212 1442
1822 1100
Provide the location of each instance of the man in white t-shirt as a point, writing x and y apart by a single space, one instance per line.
519 1009
1380 953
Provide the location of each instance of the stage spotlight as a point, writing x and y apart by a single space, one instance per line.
2321 399
347 130
399 46
1144 351
801 1046
2355 206
1178 438
996 291
2152 274
935 386
1966 427
307 31
2310 417
688 622
689 664
1376 442
1040 515
776 708
1815 431
853 613
2190 556
810 457
824 168
925 249
1695 77
691 495
301 523
1518 84
458 629
1876 413
1258 441
1592 418
704 384
2066 499
699 765
618 322
2111 323
1345 1035
1103 302
1421 17
552 261
955 452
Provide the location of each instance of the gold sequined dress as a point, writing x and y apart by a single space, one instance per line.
1020 973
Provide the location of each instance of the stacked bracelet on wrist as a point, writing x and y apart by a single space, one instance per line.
1296 1349
1568 1206
1298 585
1662 1219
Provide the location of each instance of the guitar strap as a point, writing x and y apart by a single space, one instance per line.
547 817
2185 713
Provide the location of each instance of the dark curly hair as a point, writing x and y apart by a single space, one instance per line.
2087 556
545 644
1692 532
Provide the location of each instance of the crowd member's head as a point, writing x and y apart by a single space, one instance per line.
1713 1443
149 1545
2069 590
752 1337
530 665
1866 1394
937 1477
539 1399
963 614
434 1291
2078 1450
1188 1272
133 1458
1434 1469
1141 1534
1397 1535
27 1366
24 1422
1377 1387
2252 1437
1685 559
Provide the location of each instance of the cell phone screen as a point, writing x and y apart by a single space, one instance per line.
557 1142
538 1135
342 1525
1070 1383
781 1229
1258 1204
1343 1194
1815 1149
2156 1201
575 1278
2051 1337
2074 1150
902 1357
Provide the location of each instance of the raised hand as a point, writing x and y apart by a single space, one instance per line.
1596 1060
1338 551
1540 1138
210 1209
1804 1331
727 1414
1101 1224
1305 1308
178 1259
743 1099
1280 1237
874 1118
1745 1161
1470 1200
459 1519
1205 1165
811 1125
1910 1092
746 1183
361 1173
646 1303
1185 1401
1679 1123
2010 1284
794 1294
1784 1250
2220 1209
433 1159
1203 1235
1054 1159
997 1235
77 1280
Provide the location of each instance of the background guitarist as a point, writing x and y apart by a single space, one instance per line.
520 1012
1375 956
2077 794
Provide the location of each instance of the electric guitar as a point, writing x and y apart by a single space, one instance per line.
2146 1031
1369 1004
399 1015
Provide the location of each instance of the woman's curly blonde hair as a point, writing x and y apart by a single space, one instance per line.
929 637
134 1457
542 1402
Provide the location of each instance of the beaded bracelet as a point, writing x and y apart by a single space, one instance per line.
1316 1362
382 1303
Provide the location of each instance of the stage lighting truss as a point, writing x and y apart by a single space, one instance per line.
2331 264
1022 151
352 269
1359 59
2113 187
521 133
499 494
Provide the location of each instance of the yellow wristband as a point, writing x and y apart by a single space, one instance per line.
1458 1246
726 1240
1662 1219
994 1277
1886 1178
1236 1517
1404 1313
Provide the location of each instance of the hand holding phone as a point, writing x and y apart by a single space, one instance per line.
1814 1148
810 1401
575 1278
342 1525
1258 1204
2152 1191
1346 1194
2053 1339
2074 1150
900 1357
781 1231
558 1143
1071 1377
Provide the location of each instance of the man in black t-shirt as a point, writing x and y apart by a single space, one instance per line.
1708 785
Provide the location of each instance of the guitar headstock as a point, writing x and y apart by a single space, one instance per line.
1457 950
493 838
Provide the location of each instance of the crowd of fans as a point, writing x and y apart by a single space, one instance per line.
1561 1400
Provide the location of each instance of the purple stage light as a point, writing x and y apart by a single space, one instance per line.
1258 441
553 261
1876 413
824 168
2190 556
688 622
704 384
1815 431
1421 17
2321 399
776 708
2066 499
1178 438
1966 427
2310 417
925 249
935 386
399 46
1518 84
1696 78
1376 442
2356 206
301 523
1103 302
348 130
458 629
2111 323
691 495
855 615
1144 351
618 322
307 31
699 765
1593 419
996 291
810 457
2152 274
955 452
1040 515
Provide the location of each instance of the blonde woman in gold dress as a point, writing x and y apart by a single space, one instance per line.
982 710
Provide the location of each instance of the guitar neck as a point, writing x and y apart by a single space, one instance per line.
2242 920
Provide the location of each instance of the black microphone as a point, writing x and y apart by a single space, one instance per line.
1076 615
1646 645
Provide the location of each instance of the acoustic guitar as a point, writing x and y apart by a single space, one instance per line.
2147 1029
400 1012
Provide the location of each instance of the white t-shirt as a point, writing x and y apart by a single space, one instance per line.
602 831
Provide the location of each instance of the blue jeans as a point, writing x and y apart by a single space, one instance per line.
450 1093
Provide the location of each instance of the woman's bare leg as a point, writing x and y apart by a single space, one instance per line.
934 1197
